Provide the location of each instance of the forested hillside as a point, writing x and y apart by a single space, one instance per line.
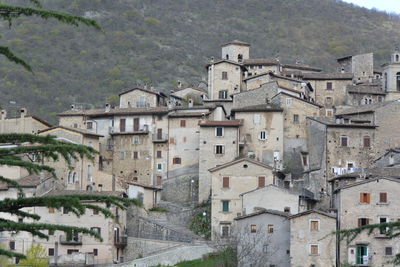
158 42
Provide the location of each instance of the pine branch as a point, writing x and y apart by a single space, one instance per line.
107 213
24 214
11 12
14 138
11 254
5 51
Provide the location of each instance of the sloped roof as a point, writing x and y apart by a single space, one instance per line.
151 187
236 42
332 123
261 108
239 161
115 111
31 180
301 67
142 89
298 98
312 211
82 192
264 211
327 76
364 109
367 181
365 89
76 130
224 61
261 61
226 123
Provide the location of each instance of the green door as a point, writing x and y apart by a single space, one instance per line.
361 252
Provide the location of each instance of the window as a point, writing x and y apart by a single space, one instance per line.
89 173
71 251
135 155
89 125
122 155
50 232
362 255
159 180
159 166
51 252
314 250
314 225
367 141
256 119
225 230
383 197
11 245
75 125
122 125
296 118
225 182
96 229
135 140
365 198
65 210
329 112
305 160
225 205
95 212
383 220
172 140
386 81
289 101
253 228
265 248
183 123
329 86
224 75
240 58
95 252
219 131
270 228
223 94
363 221
388 251
159 154
51 210
398 81
219 149
328 101
142 102
344 141
263 135
176 160
261 181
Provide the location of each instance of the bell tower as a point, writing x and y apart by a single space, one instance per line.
236 51
391 76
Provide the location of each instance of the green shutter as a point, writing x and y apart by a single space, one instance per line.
358 256
225 206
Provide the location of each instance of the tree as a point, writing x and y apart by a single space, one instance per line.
10 13
42 148
35 257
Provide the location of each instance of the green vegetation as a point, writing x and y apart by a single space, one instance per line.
201 221
158 209
226 258
160 42
35 257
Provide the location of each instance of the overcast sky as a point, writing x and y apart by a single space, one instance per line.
386 5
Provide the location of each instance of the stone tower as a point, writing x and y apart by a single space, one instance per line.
391 76
236 51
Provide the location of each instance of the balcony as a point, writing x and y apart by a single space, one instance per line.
120 241
72 241
160 138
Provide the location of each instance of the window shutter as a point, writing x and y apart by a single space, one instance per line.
359 222
361 197
261 181
225 182
383 197
368 197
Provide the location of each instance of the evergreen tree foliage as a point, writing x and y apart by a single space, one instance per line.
11 12
47 148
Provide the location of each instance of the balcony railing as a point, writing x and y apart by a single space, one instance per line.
160 138
120 241
74 240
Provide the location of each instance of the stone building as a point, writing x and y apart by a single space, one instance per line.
261 135
346 147
272 197
63 249
229 180
381 114
311 240
391 77
85 174
141 98
370 201
361 66
23 124
263 239
364 94
218 144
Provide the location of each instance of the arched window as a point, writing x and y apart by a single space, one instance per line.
70 181
227 56
386 81
240 58
89 188
74 178
398 81
397 58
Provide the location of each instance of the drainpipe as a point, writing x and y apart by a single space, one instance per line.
337 229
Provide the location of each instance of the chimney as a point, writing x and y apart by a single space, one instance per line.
23 112
108 107
3 114
190 103
179 84
212 59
